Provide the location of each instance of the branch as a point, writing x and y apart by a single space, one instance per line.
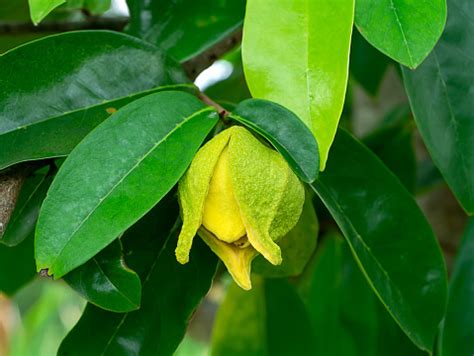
197 64
90 23
11 182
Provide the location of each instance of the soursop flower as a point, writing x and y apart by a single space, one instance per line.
241 197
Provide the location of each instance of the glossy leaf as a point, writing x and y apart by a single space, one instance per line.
368 66
286 133
117 174
388 235
23 220
441 93
17 265
406 31
331 287
254 323
106 281
393 143
73 89
171 292
308 75
39 9
185 28
297 246
457 332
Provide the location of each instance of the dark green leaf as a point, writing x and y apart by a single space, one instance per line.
106 281
286 132
270 319
347 318
367 64
23 220
80 78
441 93
185 27
388 235
297 246
457 332
117 174
393 142
404 30
17 265
171 292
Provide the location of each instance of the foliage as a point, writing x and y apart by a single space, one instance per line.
108 124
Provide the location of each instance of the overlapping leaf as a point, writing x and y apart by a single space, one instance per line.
185 27
117 174
80 78
303 63
388 235
441 93
404 30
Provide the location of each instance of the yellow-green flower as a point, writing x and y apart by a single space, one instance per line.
241 197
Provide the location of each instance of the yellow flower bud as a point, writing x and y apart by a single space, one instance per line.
241 197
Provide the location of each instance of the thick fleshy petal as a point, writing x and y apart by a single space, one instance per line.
193 189
238 261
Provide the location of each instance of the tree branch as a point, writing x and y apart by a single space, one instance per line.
90 23
11 182
197 64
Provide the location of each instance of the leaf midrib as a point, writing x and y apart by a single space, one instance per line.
112 189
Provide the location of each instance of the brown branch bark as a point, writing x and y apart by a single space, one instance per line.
197 64
90 23
11 182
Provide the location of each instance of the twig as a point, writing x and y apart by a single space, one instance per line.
91 23
196 65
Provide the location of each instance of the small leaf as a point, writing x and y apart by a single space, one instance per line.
39 9
457 331
23 220
184 28
17 265
117 174
171 293
297 246
406 31
388 235
441 93
309 76
254 322
285 132
49 116
106 281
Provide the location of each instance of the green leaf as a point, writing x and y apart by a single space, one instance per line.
297 246
388 235
331 287
117 174
23 220
39 9
17 265
441 93
285 132
309 76
406 31
171 292
457 331
254 323
73 89
367 64
106 281
184 28
393 144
